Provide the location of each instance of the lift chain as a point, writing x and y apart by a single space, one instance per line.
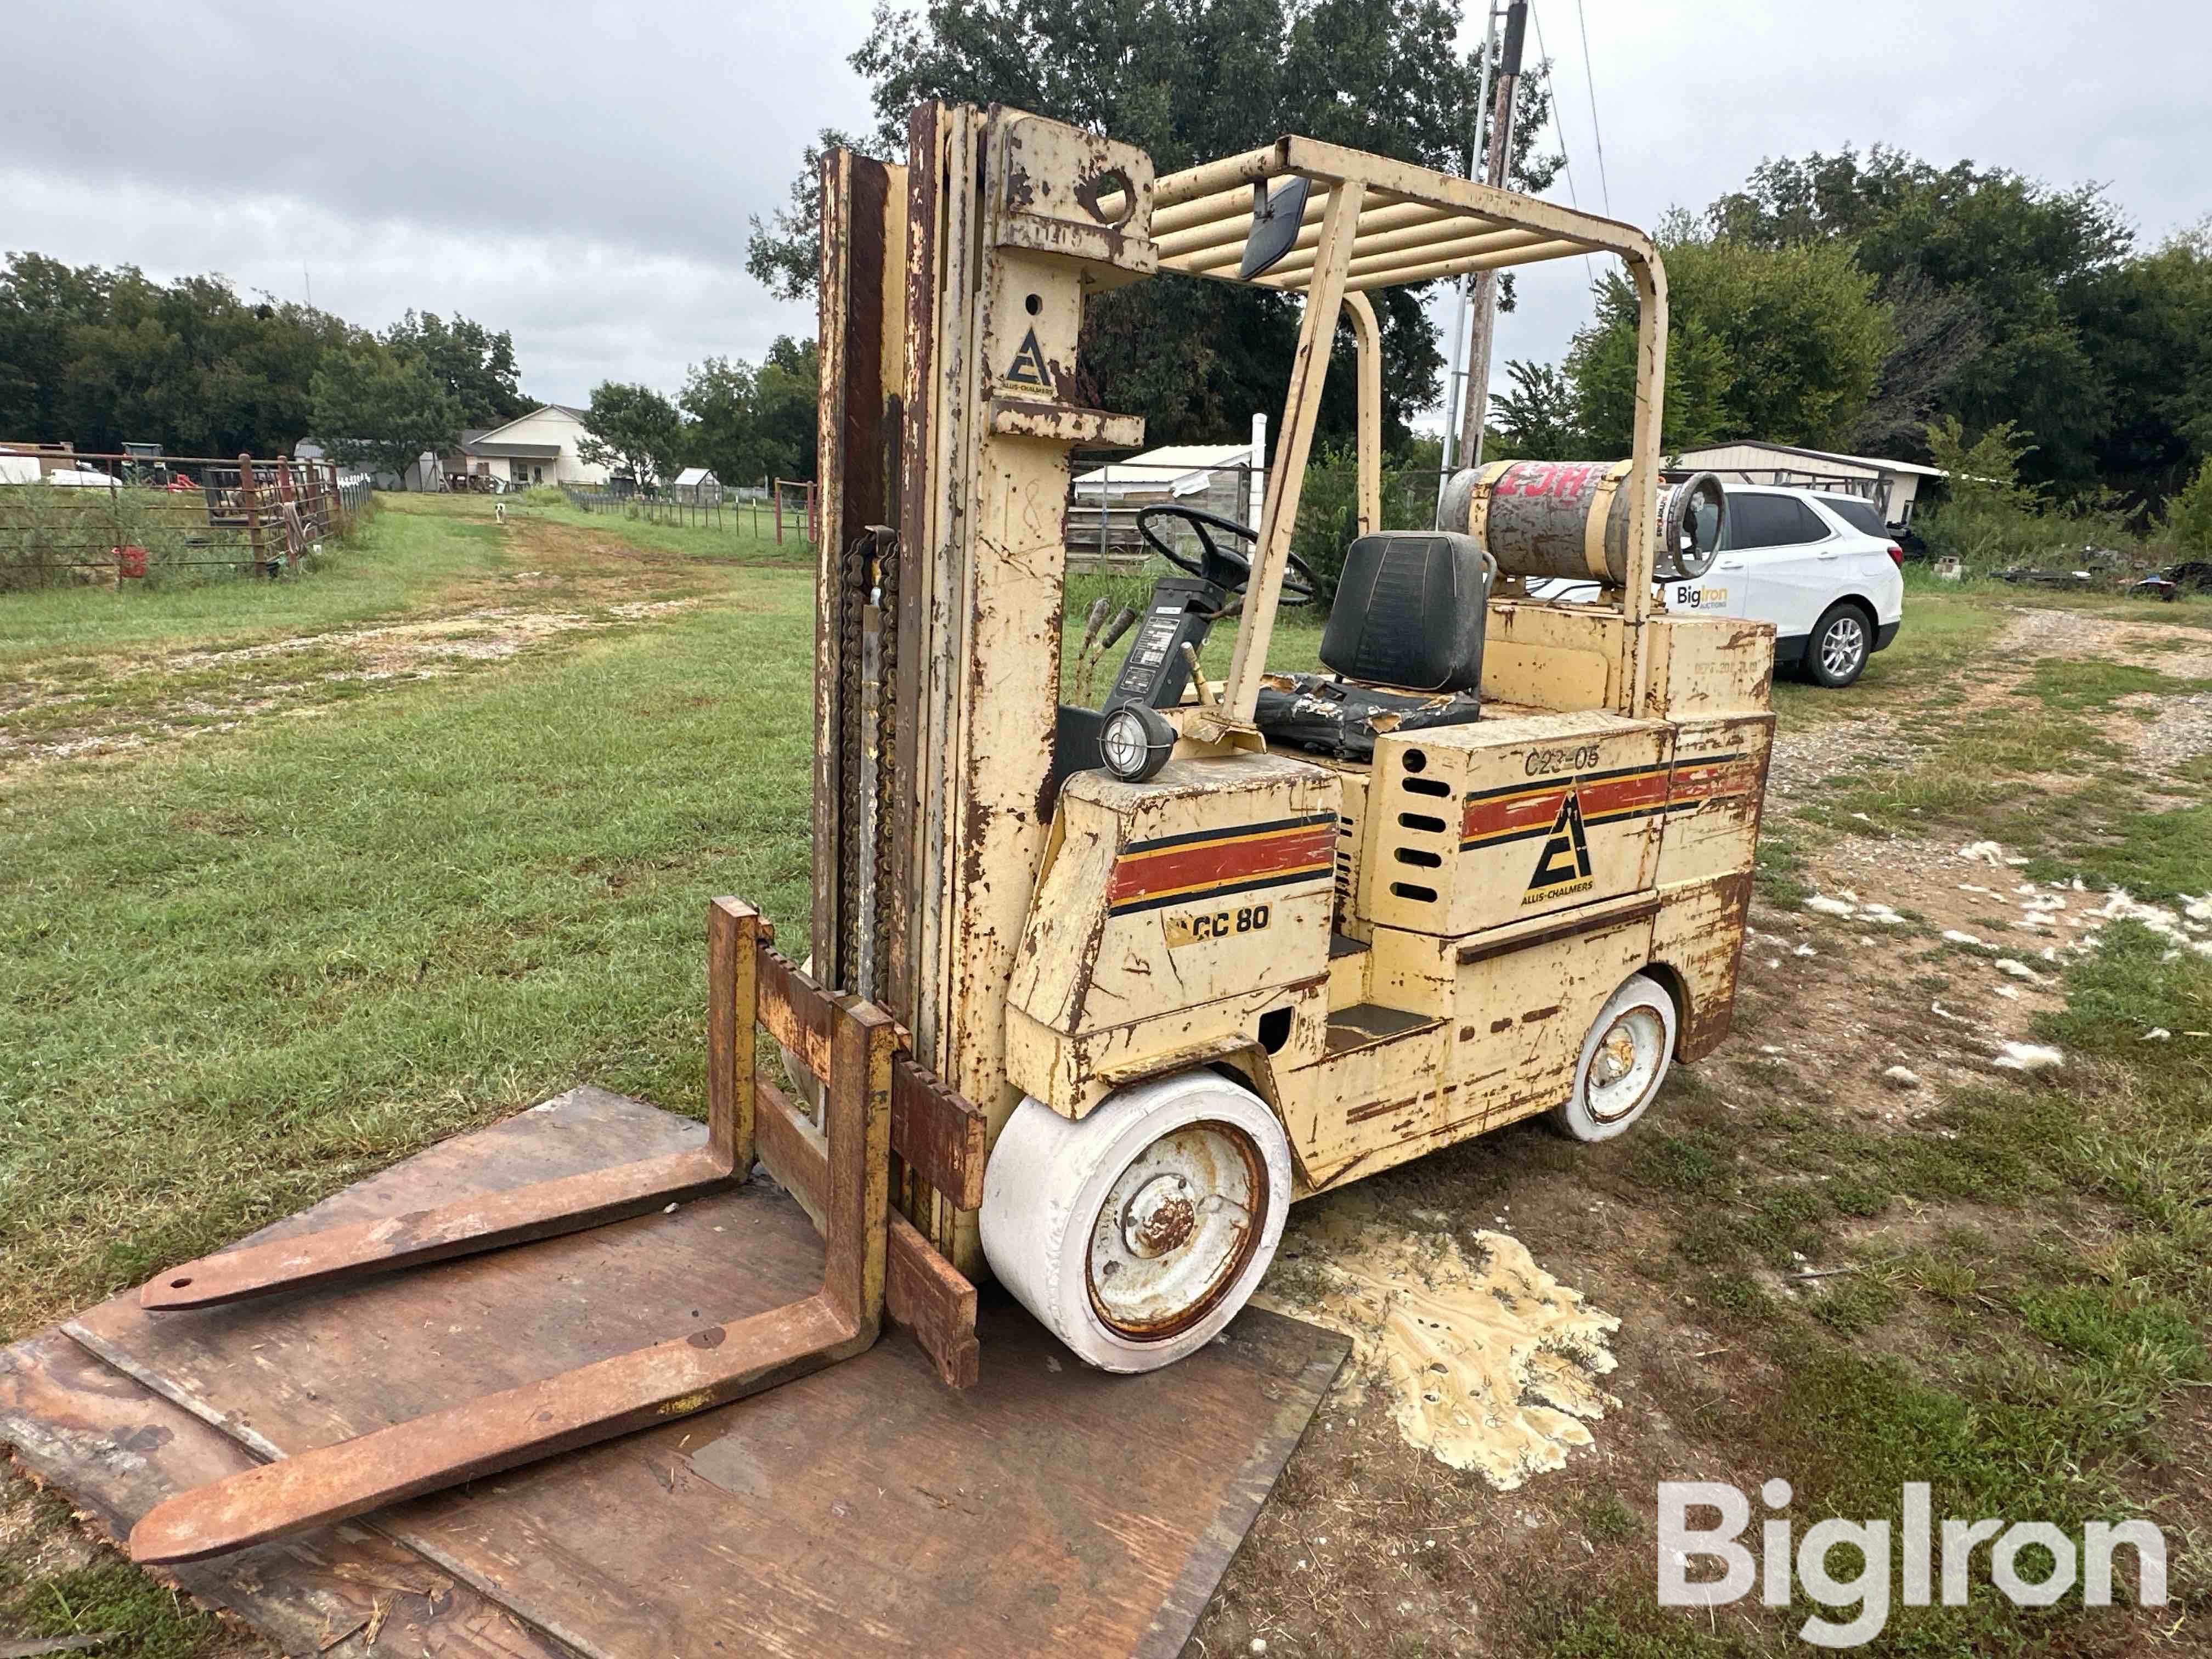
888 815
853 584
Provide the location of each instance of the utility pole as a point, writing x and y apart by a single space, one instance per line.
1475 405
1474 159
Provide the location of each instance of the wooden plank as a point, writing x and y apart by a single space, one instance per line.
115 1448
943 1138
1051 1509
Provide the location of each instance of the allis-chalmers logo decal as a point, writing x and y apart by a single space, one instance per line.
1560 812
1564 866
1028 368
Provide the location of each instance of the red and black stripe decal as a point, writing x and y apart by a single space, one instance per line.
1712 777
1521 811
1208 864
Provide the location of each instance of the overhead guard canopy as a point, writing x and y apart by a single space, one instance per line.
1414 224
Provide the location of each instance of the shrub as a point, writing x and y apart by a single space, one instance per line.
2188 519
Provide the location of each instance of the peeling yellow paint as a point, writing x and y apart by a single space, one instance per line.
1491 1363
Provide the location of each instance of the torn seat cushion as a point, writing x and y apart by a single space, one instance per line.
1326 716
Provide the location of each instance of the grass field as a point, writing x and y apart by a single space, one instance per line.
302 875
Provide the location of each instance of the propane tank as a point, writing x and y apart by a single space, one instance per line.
1570 519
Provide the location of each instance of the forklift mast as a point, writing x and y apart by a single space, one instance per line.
951 298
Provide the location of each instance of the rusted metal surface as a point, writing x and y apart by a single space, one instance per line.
923 1292
1178 1227
943 1137
831 756
497 1432
1622 916
707 1367
735 936
796 1011
485 1222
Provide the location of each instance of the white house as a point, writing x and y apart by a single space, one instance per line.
1890 485
536 448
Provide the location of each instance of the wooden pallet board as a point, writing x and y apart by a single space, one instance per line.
867 1509
117 1449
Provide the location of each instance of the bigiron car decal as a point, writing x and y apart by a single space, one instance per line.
1212 864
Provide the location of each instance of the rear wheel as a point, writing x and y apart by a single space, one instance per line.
1837 654
1137 1233
1623 1061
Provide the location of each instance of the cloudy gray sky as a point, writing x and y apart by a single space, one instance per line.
582 174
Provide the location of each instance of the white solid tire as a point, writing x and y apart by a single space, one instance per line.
1048 1187
1623 1061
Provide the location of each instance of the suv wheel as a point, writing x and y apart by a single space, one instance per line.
1837 654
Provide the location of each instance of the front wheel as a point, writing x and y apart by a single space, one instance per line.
1137 1233
1623 1061
1837 654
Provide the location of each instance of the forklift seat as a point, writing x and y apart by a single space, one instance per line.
1404 640
1409 613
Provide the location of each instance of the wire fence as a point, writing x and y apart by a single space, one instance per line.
648 509
109 520
769 509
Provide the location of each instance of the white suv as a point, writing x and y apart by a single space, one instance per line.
1816 564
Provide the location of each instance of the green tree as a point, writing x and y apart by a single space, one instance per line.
720 401
788 405
2026 267
1190 80
2150 332
634 430
1535 421
1988 513
1783 343
751 424
475 365
376 410
101 357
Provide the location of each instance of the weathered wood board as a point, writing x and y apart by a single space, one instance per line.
117 1449
867 1509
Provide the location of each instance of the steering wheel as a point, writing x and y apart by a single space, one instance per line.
1236 564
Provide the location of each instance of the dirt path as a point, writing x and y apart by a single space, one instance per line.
86 703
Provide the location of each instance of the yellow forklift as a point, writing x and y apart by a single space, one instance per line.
1096 993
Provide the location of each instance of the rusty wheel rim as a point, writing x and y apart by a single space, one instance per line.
1178 1227
1625 1066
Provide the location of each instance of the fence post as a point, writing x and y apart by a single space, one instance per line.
288 511
778 504
1105 503
115 514
248 498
